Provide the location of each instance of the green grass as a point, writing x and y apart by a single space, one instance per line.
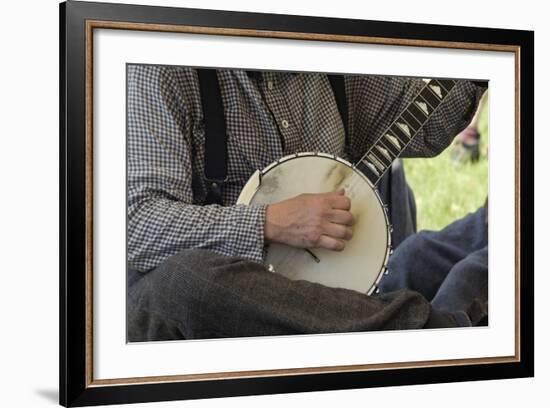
446 191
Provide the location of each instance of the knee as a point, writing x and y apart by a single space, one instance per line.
167 302
148 317
197 260
410 250
473 268
193 275
403 265
144 325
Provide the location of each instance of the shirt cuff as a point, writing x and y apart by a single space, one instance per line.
250 231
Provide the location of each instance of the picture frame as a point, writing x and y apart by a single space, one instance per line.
78 23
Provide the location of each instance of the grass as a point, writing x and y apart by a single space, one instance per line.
446 191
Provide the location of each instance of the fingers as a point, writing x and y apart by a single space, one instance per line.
338 231
343 217
333 244
339 202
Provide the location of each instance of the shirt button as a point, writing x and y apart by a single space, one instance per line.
270 85
284 123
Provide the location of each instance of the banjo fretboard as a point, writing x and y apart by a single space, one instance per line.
402 131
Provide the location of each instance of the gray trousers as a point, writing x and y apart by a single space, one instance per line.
200 294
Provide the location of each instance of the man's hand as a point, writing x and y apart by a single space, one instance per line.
311 221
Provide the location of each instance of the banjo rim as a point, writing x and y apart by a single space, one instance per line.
273 165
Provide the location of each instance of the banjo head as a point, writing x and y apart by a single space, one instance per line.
361 264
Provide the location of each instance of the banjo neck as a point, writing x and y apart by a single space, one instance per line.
404 129
363 262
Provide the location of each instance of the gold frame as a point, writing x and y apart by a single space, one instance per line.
99 24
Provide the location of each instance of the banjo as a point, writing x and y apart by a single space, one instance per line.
362 263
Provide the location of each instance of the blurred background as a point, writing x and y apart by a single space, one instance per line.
451 185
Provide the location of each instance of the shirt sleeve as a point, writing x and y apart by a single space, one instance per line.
162 216
377 101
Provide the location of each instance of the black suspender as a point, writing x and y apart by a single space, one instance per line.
215 146
339 90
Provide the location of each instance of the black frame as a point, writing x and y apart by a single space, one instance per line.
73 388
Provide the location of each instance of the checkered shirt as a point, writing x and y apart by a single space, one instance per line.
268 115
